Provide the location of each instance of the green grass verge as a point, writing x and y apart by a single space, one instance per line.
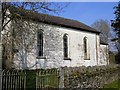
115 85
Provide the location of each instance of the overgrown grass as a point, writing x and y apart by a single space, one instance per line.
46 78
115 85
30 79
48 81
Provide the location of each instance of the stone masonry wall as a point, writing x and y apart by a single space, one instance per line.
89 77
53 48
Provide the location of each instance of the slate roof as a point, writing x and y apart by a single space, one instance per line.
54 20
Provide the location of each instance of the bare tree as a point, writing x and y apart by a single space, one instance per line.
104 27
45 7
18 32
0 37
0 48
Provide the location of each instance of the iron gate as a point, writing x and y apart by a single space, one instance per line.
47 79
17 79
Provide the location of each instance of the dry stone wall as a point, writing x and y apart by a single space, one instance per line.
89 77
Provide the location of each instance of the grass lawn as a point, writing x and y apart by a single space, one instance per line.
115 85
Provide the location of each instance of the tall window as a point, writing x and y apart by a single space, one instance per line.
85 45
86 52
65 43
40 43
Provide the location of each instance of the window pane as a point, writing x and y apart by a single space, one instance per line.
65 41
40 43
85 45
86 48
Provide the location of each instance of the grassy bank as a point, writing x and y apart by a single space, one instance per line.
115 85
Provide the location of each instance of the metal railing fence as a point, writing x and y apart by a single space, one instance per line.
47 79
13 80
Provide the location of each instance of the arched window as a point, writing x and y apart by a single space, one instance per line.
65 43
85 45
40 43
86 51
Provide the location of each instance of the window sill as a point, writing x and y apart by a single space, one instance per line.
41 57
86 58
67 59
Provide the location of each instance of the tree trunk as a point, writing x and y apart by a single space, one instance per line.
0 46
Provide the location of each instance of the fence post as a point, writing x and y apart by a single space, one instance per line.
61 79
0 79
